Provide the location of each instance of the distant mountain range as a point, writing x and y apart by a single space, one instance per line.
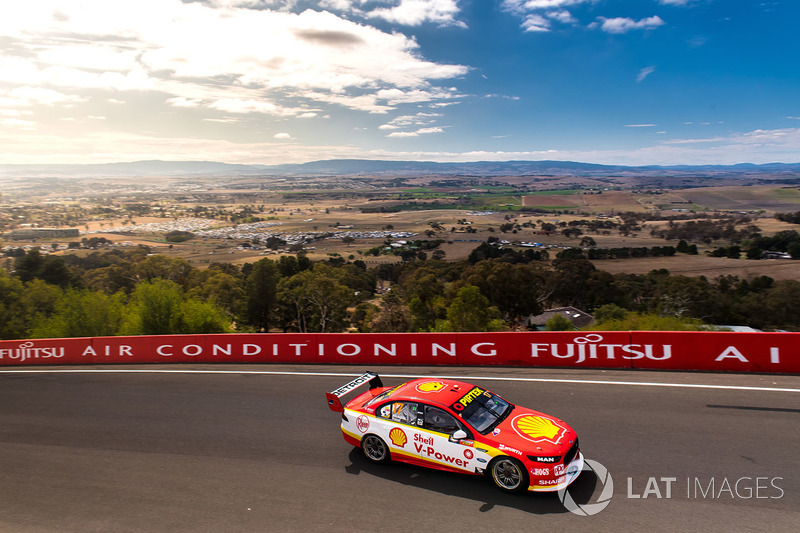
401 168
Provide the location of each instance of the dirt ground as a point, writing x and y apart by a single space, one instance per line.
701 265
330 214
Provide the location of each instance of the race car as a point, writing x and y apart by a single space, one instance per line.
459 427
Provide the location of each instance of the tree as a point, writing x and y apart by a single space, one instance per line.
392 317
794 250
558 323
14 321
261 288
28 266
83 313
777 307
423 291
162 267
219 288
517 290
200 317
471 311
289 265
154 309
634 321
159 308
572 232
273 243
315 300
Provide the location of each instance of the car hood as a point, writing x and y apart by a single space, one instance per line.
532 433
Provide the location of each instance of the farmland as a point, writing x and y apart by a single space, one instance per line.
345 216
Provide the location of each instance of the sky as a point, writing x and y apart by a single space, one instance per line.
629 82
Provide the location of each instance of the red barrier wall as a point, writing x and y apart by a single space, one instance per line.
658 350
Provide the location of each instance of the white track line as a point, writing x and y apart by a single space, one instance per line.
402 376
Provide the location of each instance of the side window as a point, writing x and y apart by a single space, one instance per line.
385 411
406 413
438 420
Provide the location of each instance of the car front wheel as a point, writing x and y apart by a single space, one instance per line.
375 449
509 474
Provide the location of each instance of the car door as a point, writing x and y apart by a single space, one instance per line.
435 443
398 424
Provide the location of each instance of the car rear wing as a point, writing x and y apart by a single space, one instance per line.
333 398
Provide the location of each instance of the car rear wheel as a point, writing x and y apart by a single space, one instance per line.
509 474
375 449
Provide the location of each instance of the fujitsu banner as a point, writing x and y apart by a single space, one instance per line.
715 351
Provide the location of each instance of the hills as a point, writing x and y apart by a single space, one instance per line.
355 167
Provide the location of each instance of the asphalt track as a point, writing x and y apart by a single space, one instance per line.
164 448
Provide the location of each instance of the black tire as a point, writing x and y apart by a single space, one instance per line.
509 474
375 449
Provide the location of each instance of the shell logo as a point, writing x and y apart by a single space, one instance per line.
538 428
398 437
431 386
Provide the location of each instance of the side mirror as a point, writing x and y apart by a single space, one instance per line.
458 435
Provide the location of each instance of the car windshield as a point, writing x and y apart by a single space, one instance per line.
485 411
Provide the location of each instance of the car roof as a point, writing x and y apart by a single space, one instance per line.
432 390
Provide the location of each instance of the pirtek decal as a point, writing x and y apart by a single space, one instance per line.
467 398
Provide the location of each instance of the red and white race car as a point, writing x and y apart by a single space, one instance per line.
455 426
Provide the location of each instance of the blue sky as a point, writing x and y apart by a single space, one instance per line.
280 81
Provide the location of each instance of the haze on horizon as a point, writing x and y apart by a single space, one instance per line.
629 82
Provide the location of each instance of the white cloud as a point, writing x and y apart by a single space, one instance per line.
416 12
23 145
646 71
535 22
417 133
242 106
539 15
337 5
624 24
563 16
640 125
216 55
404 121
29 96
282 136
18 123
673 2
521 6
